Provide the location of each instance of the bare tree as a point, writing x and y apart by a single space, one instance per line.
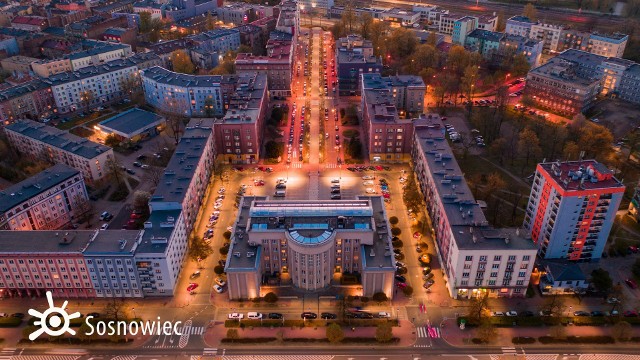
86 98
115 170
154 175
83 209
115 310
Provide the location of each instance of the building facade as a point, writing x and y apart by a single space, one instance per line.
475 258
462 27
571 209
49 200
519 25
308 243
277 65
354 57
47 143
32 99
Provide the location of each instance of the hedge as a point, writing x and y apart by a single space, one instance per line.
508 321
346 340
309 323
523 340
577 340
260 340
7 322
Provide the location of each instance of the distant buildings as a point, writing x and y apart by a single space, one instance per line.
308 243
354 56
277 65
519 25
571 209
60 147
475 258
32 99
387 136
49 200
462 27
496 46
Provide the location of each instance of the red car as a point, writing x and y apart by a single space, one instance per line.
401 285
135 216
259 183
192 287
632 284
630 313
386 195
416 235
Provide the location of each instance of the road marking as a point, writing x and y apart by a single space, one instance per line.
210 351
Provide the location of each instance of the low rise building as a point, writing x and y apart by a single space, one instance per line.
277 65
132 125
29 23
519 45
47 68
475 258
571 209
629 88
17 63
488 22
44 142
239 133
354 56
486 43
401 16
462 27
50 200
609 45
308 243
549 34
561 278
101 52
519 25
32 99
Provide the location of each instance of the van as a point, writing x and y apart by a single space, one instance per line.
280 193
254 315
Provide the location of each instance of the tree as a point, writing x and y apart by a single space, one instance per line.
558 332
528 146
131 85
501 22
486 332
498 149
621 330
519 65
335 334
115 309
224 250
141 200
495 183
401 43
384 332
393 220
83 333
175 120
226 235
273 149
396 231
111 140
379 297
145 21
115 171
271 298
227 66
432 39
199 250
83 209
554 305
181 62
530 11
210 23
407 290
365 20
424 56
232 334
86 98
218 269
570 151
348 17
601 280
378 36
479 306
595 140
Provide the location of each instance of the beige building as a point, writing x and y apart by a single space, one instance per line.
46 68
44 142
309 244
49 200
17 63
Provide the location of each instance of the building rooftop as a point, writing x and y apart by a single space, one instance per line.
90 71
114 242
486 35
378 255
580 175
101 47
41 182
45 241
581 57
167 47
164 76
633 70
522 19
468 224
58 138
213 35
180 170
131 122
157 231
616 37
22 89
565 70
245 102
563 270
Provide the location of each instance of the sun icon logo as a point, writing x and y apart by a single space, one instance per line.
54 321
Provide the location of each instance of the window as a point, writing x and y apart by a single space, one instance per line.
497 258
525 258
522 274
468 258
464 275
483 258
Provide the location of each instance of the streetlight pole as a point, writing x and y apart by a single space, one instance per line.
134 312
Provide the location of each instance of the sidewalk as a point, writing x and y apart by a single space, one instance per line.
212 337
452 334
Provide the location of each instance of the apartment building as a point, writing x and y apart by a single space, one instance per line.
18 63
102 52
609 45
475 258
49 200
46 68
486 43
238 135
549 34
571 209
462 27
47 143
519 25
516 44
211 46
354 57
488 22
426 11
306 244
149 6
629 88
190 95
277 65
236 13
32 99
447 22
92 85
401 17
387 136
317 4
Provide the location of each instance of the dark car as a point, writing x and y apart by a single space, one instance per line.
581 313
326 315
630 313
401 278
597 313
309 315
275 316
527 313
18 315
131 172
94 314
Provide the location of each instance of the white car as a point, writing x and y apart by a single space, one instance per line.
220 281
368 183
511 313
370 191
254 315
236 316
367 177
384 315
497 313
104 227
219 289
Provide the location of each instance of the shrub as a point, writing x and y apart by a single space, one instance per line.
218 269
260 340
397 243
478 341
6 322
393 220
523 340
364 299
379 297
226 235
577 340
270 298
396 231
224 250
408 291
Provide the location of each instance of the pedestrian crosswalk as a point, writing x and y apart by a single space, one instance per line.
296 165
509 350
428 331
125 357
7 353
609 357
171 342
45 357
193 330
330 166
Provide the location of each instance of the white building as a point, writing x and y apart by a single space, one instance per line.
519 25
550 35
103 52
51 199
475 258
609 45
47 143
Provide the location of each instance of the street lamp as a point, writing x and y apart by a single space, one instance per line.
134 312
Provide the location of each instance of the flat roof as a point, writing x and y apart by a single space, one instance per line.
164 76
486 35
379 254
22 89
41 182
58 138
88 242
111 242
581 175
131 122
101 47
157 231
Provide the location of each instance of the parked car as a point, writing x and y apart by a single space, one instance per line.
309 315
254 315
235 316
220 281
195 275
275 316
383 315
581 313
527 313
631 283
401 278
191 287
219 289
327 316
497 313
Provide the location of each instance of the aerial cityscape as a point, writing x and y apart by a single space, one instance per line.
319 180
